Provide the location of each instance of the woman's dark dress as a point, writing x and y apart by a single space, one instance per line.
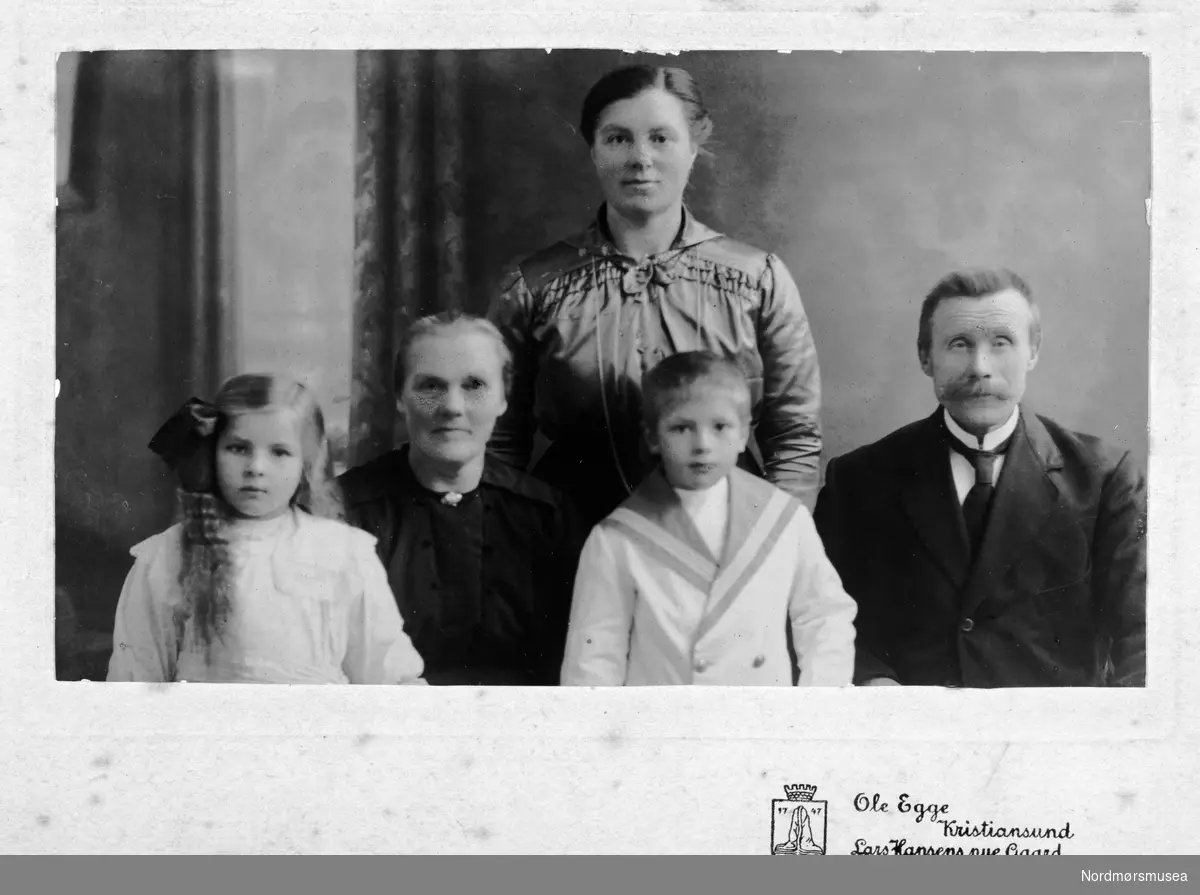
484 587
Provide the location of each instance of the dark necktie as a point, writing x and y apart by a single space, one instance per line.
975 506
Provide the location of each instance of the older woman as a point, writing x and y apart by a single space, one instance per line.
589 315
481 557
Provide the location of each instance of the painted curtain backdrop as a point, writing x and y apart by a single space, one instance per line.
408 222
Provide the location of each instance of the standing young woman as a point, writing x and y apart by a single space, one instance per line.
586 317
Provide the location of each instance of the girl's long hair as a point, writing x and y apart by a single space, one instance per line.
206 573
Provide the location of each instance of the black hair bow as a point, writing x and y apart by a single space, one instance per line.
185 443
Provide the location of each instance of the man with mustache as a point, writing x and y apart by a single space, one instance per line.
988 546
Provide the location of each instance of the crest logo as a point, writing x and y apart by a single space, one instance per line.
798 823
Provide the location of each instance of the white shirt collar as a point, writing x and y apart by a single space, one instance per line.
993 438
698 500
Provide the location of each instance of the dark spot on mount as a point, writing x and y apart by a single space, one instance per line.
482 833
614 738
868 10
102 761
1124 8
43 820
95 799
362 739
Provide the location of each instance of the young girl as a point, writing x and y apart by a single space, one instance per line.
260 582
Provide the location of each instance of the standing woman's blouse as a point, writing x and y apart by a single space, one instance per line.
484 584
310 605
586 322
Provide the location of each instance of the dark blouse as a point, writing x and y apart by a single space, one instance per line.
484 587
586 323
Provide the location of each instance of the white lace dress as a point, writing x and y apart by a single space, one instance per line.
311 605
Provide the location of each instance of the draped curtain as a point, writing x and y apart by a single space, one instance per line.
138 314
408 222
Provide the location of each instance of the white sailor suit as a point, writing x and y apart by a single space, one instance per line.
653 604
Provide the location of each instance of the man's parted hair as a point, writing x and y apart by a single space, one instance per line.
974 283
683 371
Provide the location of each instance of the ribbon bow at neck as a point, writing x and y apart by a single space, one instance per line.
184 442
636 278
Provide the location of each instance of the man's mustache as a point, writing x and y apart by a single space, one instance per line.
975 390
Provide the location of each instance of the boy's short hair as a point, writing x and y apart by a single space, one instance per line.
682 371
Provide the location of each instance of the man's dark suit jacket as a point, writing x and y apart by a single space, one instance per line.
1059 587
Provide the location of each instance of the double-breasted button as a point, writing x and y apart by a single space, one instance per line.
968 625
701 666
758 661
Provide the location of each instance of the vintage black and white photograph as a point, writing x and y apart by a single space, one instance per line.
589 368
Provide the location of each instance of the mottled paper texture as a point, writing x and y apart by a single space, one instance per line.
102 768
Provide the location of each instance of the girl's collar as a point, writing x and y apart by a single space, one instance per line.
241 529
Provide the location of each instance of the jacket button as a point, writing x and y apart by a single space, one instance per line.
968 625
759 660
701 666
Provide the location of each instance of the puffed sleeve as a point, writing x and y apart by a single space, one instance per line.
145 636
821 614
601 623
378 651
512 313
789 428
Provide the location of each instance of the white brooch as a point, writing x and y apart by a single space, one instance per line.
452 498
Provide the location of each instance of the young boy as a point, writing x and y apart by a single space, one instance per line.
695 578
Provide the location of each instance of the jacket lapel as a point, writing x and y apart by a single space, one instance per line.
930 500
765 514
1026 497
657 501
748 497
